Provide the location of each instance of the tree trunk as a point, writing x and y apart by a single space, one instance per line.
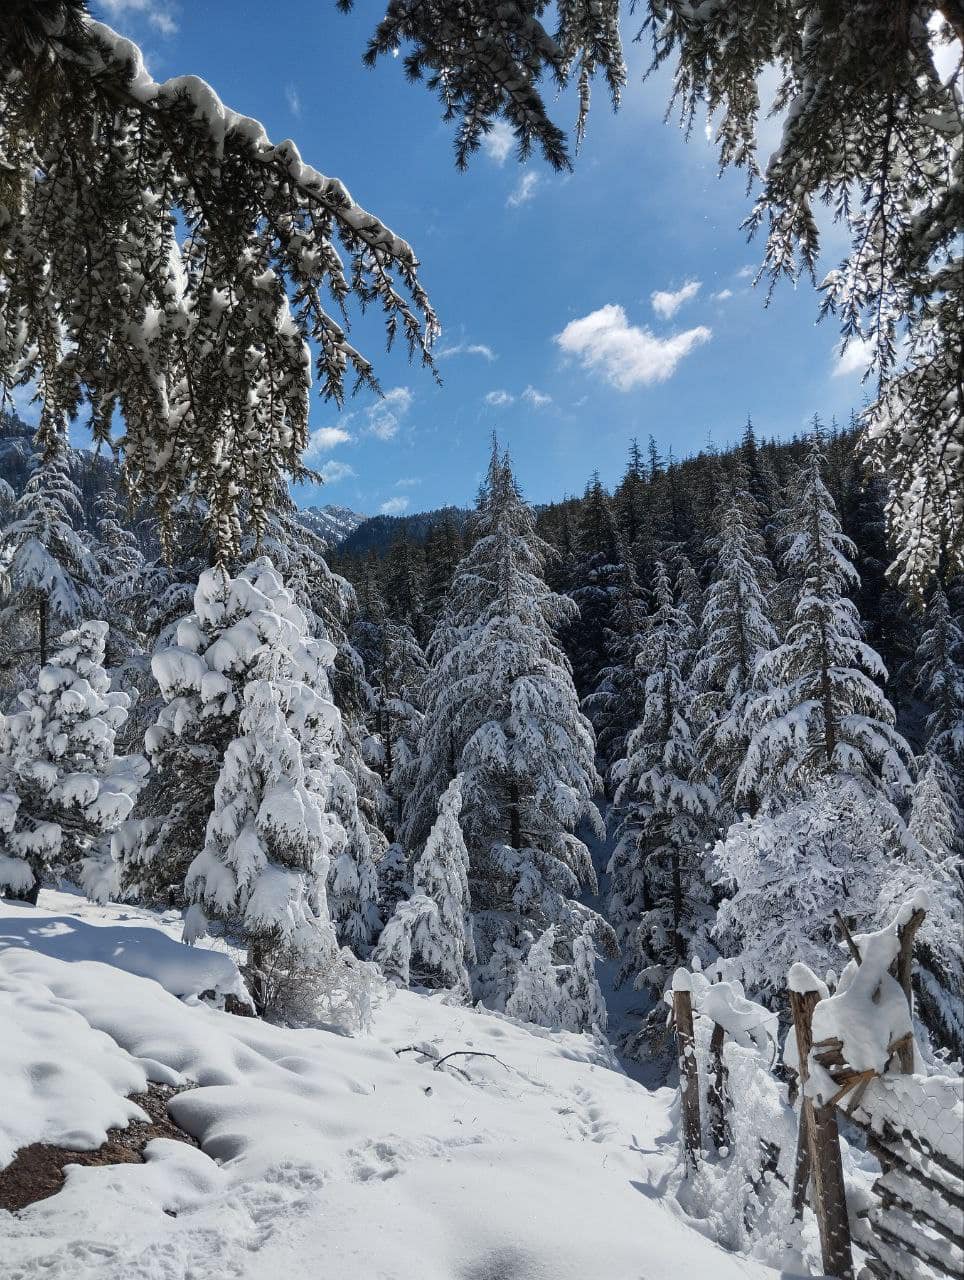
515 821
677 872
42 627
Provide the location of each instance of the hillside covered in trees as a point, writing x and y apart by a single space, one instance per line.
570 888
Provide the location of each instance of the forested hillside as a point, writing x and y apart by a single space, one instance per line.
565 889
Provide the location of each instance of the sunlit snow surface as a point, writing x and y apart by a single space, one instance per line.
328 1155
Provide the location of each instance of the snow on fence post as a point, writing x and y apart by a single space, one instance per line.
818 1129
689 1080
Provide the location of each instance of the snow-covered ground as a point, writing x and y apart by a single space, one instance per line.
321 1154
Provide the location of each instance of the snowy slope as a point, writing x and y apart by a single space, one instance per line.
330 1155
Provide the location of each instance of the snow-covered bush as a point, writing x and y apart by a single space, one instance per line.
562 995
789 868
341 993
62 789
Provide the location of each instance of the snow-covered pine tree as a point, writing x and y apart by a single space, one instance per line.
229 253
441 874
940 682
501 710
62 789
936 822
615 705
595 575
818 708
272 830
736 632
220 648
52 574
429 938
659 890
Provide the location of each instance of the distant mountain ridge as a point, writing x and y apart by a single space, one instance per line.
331 522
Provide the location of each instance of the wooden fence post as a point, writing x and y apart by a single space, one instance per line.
689 1079
907 932
823 1143
716 1092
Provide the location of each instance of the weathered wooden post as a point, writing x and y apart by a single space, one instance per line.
819 1126
689 1078
907 932
716 1091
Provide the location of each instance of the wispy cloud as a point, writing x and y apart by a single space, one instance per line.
293 99
466 349
394 506
746 273
855 358
721 296
524 190
408 482
538 399
385 416
498 142
325 438
666 303
626 355
334 471
158 13
499 399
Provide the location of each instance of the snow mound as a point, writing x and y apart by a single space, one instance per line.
141 950
367 1157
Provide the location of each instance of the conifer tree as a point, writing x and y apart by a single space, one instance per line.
595 574
615 705
940 682
736 633
501 710
430 934
818 707
221 647
62 789
658 888
272 828
52 572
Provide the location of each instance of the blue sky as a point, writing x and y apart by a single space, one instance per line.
577 310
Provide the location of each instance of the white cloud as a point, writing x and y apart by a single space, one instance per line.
499 399
524 191
538 399
498 142
721 296
746 273
385 416
627 355
394 506
326 438
334 471
408 482
466 349
157 13
666 304
293 99
855 359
